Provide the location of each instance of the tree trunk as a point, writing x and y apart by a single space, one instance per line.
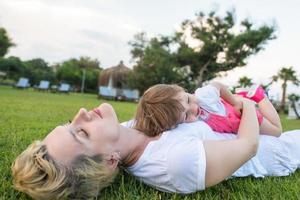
201 72
282 106
295 109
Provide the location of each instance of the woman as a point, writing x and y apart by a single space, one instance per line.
78 159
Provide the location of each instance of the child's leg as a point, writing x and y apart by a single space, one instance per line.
271 124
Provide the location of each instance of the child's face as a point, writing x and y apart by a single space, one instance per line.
192 110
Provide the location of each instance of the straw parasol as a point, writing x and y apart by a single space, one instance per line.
114 77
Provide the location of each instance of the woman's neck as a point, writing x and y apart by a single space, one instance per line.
132 144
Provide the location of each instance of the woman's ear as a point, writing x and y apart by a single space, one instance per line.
113 160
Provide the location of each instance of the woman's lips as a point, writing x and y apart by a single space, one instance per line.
97 111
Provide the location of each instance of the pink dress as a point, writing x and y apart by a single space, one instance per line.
217 113
225 124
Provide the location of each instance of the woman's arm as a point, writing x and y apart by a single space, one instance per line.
225 157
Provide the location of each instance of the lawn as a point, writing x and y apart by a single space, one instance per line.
27 115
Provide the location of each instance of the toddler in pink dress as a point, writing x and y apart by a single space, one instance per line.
163 106
220 115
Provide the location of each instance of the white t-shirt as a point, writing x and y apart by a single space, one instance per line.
176 162
209 99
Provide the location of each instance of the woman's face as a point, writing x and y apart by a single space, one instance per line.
90 133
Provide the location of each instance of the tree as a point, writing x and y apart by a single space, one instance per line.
138 45
13 67
71 71
37 69
88 63
5 42
154 63
293 99
245 82
210 45
285 74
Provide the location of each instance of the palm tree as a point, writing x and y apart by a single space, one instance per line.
245 82
293 99
267 86
286 74
273 79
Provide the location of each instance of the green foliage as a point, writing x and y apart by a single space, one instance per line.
5 42
91 80
293 98
28 115
286 74
205 46
154 63
13 67
138 45
37 70
219 48
71 71
245 82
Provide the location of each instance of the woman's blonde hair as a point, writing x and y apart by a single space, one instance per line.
37 174
159 109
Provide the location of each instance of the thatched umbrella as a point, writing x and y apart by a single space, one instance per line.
114 76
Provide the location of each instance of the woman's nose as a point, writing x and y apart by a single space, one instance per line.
82 115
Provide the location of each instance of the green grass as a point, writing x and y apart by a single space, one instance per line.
27 115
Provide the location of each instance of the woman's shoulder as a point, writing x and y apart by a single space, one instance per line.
176 159
198 129
174 140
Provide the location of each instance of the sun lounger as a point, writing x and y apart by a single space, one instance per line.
23 83
107 92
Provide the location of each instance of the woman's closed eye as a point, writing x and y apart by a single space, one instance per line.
82 133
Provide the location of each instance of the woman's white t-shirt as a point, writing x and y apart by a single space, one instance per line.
176 162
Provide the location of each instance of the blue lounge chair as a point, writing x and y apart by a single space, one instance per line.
131 95
23 83
64 87
107 92
44 85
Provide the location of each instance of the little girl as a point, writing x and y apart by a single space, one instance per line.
162 107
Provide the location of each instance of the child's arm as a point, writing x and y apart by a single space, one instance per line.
228 96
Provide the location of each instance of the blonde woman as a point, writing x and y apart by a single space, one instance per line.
77 160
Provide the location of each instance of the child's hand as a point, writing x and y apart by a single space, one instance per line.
238 106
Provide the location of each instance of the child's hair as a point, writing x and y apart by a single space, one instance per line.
159 109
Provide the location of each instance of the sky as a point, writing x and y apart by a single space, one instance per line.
57 30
